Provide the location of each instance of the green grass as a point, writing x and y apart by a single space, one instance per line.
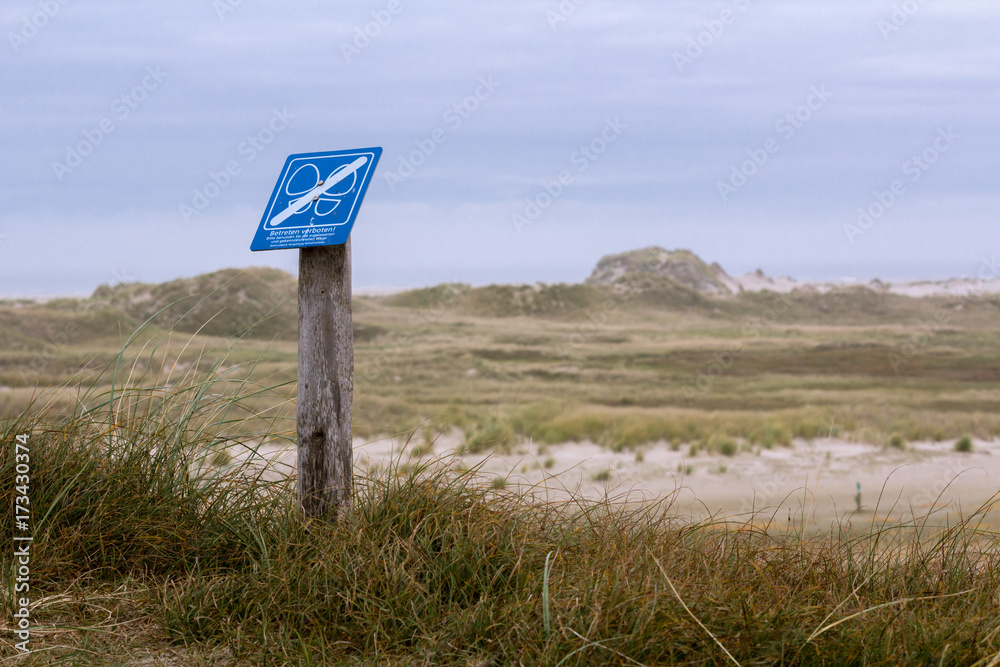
151 536
147 541
963 445
420 451
602 476
728 448
495 433
503 364
440 566
258 302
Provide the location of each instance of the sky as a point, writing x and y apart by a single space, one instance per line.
522 141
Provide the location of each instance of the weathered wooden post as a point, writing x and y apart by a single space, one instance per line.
326 380
315 213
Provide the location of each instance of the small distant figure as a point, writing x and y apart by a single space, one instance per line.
857 498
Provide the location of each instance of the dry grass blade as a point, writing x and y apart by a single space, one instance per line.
994 661
691 613
823 629
599 645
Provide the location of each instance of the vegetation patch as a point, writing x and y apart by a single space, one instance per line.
440 565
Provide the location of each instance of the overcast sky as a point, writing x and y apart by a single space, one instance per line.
753 132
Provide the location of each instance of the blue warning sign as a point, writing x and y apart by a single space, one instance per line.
316 199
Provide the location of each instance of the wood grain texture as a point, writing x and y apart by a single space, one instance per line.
325 381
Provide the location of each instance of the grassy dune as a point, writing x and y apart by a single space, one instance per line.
152 549
154 546
638 375
623 365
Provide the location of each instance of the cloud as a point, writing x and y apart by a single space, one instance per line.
559 84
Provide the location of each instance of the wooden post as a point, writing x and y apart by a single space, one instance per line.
326 381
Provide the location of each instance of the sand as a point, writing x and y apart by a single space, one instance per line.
955 287
811 483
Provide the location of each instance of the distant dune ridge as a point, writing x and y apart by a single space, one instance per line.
687 269
260 302
220 303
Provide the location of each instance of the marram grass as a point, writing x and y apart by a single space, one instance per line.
149 547
145 549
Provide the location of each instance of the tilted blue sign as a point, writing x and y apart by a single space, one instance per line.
316 199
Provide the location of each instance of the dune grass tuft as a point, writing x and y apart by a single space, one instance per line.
440 566
147 545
